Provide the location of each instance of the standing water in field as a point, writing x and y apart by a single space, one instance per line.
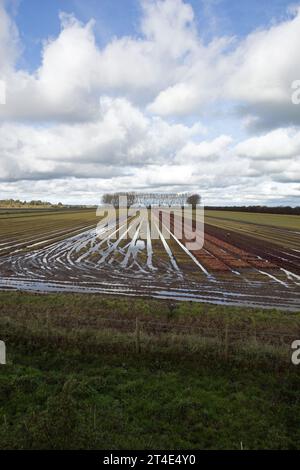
123 258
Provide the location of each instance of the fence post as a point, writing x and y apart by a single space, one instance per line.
254 331
47 325
94 417
137 336
226 339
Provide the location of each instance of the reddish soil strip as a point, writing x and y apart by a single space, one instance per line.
245 258
219 255
209 260
226 257
240 244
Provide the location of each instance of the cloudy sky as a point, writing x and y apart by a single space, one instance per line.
165 95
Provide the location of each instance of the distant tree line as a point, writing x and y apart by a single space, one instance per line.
17 204
258 209
149 199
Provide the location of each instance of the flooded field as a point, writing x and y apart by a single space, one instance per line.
64 251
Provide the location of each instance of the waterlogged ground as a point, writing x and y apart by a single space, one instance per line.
56 253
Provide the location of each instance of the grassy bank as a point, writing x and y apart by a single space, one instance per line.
74 382
73 307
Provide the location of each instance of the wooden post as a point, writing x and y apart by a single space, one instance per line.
47 324
137 336
94 417
226 339
254 327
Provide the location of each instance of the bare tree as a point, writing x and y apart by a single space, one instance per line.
107 198
194 200
115 199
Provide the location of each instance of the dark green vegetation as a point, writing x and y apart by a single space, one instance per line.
259 209
291 222
75 380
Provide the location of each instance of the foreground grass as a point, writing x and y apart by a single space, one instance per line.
69 384
75 307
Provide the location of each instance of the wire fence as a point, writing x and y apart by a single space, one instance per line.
142 335
225 332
